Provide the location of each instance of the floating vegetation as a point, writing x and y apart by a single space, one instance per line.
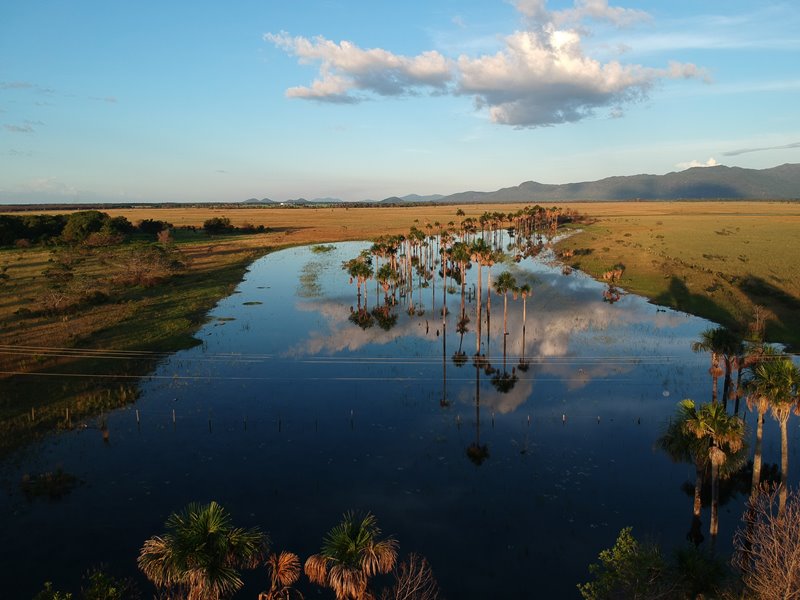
322 248
225 319
54 485
252 303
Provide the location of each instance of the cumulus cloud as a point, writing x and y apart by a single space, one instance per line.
711 162
542 76
545 78
345 68
597 10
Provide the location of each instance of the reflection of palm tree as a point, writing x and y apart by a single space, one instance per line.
476 452
775 384
524 291
351 554
201 553
725 435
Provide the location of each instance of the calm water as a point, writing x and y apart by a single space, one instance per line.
289 414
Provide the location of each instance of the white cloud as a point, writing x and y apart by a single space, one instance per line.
345 68
545 78
541 76
711 162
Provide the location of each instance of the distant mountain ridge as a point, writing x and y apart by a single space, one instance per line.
698 183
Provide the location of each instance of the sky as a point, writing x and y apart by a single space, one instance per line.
205 101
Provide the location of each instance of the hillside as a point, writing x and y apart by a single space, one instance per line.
702 183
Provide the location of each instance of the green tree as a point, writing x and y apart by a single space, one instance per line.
629 570
351 554
82 223
201 553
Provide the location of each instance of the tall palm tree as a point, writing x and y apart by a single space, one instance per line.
712 340
725 434
683 446
351 554
761 388
200 554
775 383
505 283
481 253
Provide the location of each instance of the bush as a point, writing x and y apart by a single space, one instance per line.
152 226
217 225
81 224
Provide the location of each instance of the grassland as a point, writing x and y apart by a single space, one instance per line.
716 260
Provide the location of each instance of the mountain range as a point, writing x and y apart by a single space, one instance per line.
698 183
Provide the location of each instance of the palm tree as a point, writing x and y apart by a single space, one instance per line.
684 446
481 253
284 571
201 553
712 340
505 283
351 554
775 384
725 435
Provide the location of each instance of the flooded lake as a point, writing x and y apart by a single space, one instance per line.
510 475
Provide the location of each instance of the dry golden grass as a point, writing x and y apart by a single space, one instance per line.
714 259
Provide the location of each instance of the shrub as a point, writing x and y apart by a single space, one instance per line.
217 225
152 226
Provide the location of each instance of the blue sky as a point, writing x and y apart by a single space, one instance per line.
223 101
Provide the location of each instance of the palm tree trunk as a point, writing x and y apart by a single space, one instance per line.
784 464
714 377
757 456
699 470
478 311
714 502
726 386
505 315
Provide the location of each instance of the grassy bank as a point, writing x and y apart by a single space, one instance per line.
61 365
718 260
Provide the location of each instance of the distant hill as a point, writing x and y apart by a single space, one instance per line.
701 183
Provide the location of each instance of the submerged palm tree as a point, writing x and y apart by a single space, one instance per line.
351 554
505 283
200 554
713 341
683 446
775 384
725 435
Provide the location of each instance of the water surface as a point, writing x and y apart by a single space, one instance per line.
289 414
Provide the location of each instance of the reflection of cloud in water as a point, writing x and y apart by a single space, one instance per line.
571 334
343 335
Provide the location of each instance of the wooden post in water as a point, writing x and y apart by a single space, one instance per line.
173 416
138 421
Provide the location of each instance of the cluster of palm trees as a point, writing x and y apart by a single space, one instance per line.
405 265
201 555
437 257
711 438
